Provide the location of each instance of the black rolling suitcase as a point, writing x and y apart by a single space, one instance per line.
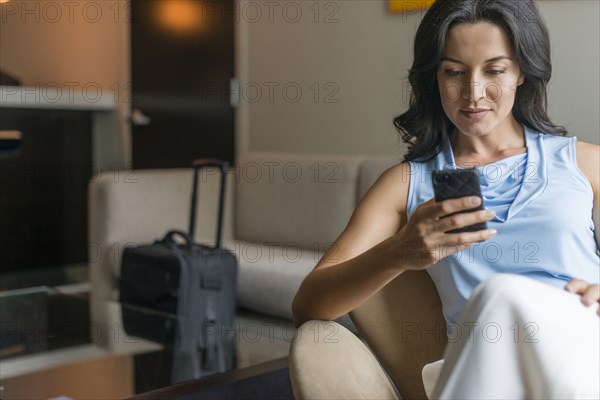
195 282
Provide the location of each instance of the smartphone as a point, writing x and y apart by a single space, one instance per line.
452 184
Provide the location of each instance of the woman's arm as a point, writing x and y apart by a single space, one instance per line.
588 160
359 263
379 243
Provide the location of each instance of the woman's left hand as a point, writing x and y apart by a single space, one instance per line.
590 293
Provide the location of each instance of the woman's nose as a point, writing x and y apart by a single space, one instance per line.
473 89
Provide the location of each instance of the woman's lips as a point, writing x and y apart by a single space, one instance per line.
475 115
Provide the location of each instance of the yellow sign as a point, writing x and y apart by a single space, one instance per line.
399 6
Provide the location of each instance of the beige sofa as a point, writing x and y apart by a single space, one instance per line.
282 211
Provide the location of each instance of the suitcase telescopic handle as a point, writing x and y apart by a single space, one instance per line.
197 166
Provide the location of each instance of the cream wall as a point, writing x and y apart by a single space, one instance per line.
78 45
349 57
574 93
366 54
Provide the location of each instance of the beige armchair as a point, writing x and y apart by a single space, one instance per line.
403 328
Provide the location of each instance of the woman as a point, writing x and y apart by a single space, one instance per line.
479 78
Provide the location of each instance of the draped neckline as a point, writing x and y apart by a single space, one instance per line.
511 183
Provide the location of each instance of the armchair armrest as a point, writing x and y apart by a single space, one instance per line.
327 361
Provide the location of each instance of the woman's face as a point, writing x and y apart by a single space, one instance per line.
478 73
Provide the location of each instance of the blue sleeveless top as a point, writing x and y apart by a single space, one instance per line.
543 205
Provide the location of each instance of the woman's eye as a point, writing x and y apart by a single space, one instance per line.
451 72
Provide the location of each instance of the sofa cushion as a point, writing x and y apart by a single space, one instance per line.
269 276
306 200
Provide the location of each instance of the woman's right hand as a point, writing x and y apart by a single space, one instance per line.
423 241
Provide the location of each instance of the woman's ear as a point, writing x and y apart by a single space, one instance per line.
521 80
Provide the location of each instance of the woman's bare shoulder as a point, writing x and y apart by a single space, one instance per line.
387 198
392 186
380 214
589 148
588 161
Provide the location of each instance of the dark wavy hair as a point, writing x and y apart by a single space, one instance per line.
424 127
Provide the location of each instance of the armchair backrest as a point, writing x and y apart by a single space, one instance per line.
404 326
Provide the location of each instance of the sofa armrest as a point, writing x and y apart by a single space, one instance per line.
327 361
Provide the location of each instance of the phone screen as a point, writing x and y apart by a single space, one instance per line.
453 184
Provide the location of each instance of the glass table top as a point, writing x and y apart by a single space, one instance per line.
51 348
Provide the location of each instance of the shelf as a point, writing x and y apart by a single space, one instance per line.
56 98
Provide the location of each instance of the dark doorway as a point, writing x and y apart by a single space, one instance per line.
43 193
182 61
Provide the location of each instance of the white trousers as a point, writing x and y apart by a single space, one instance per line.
518 338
